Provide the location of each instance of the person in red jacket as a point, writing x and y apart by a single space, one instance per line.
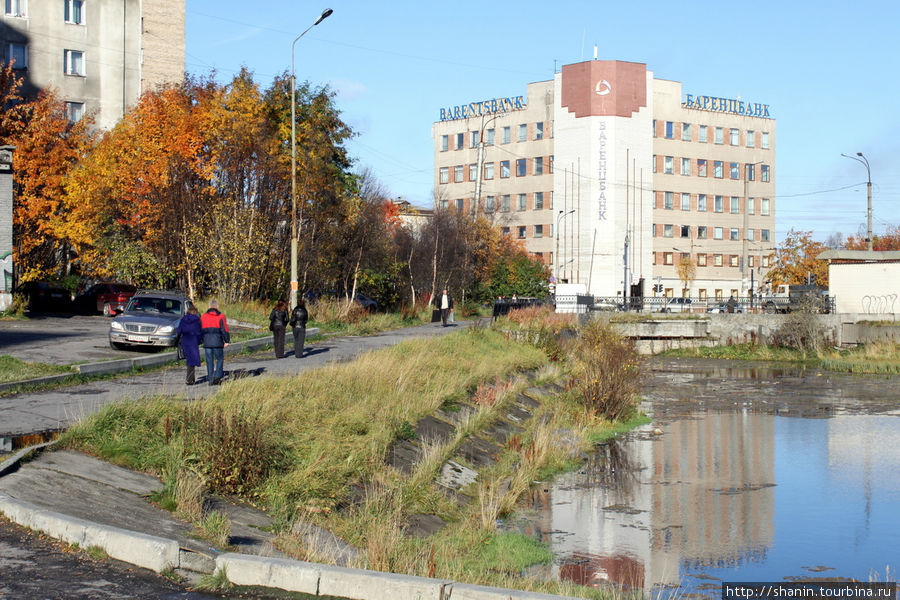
215 339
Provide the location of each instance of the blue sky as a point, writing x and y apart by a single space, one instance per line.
830 72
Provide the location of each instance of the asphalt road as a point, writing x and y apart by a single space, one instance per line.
58 339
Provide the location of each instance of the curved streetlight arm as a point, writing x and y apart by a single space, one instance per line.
294 284
559 216
861 159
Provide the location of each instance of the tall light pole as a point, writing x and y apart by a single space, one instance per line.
864 161
325 14
561 214
745 259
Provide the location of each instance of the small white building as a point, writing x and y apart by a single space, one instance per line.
864 282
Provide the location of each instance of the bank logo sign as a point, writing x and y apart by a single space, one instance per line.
603 88
485 107
727 105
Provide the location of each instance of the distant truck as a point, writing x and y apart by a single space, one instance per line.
787 298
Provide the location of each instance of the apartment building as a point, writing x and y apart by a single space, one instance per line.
99 54
618 180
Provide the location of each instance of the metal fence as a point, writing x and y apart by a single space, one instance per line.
696 304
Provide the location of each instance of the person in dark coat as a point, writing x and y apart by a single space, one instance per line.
189 332
215 339
278 320
444 303
299 317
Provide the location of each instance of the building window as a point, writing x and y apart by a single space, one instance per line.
764 235
751 261
701 202
735 205
520 167
734 234
654 127
718 169
18 55
667 258
717 262
523 202
701 262
522 231
685 202
474 139
701 232
685 231
750 236
750 171
668 200
702 134
751 138
504 230
538 231
764 173
685 132
550 165
668 231
668 165
764 207
504 205
15 8
506 134
733 262
490 137
670 130
734 170
765 140
74 111
489 204
460 139
523 132
539 201
654 163
460 204
445 143
718 233
718 205
719 135
444 204
751 206
701 167
538 131
765 261
473 172
539 165
685 166
458 174
734 136
504 169
489 170
444 174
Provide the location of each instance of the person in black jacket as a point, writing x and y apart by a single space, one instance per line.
299 317
444 303
278 320
215 339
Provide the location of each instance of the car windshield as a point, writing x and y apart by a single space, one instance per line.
157 305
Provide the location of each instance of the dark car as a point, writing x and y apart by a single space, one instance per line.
109 298
366 302
43 296
150 319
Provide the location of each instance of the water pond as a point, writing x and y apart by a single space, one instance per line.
746 474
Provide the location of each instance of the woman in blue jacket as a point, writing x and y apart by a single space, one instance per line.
189 331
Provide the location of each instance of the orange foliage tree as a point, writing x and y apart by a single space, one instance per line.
796 260
889 240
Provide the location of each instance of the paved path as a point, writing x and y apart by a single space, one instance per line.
57 409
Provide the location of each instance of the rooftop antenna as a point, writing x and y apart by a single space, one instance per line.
595 51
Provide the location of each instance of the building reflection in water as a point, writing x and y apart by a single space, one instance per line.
648 511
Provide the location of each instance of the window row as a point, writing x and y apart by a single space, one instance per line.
715 203
73 60
702 294
539 165
73 10
702 232
685 132
700 168
504 203
703 259
521 132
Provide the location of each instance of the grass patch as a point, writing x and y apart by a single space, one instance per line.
13 369
96 553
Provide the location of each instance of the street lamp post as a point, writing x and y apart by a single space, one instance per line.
864 161
294 234
745 259
561 214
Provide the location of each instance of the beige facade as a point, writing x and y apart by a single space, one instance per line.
100 55
605 173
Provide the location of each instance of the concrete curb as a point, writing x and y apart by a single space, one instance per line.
147 551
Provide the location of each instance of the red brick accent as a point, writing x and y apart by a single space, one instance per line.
604 88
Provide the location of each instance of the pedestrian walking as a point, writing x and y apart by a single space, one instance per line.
189 333
299 317
215 339
444 302
278 320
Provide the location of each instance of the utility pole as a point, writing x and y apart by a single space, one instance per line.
745 259
864 161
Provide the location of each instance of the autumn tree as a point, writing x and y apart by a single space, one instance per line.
687 270
889 240
796 261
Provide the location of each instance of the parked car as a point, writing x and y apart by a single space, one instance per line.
366 302
150 319
43 296
677 305
722 307
109 298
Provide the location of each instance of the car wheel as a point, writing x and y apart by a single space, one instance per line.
770 308
108 311
117 346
